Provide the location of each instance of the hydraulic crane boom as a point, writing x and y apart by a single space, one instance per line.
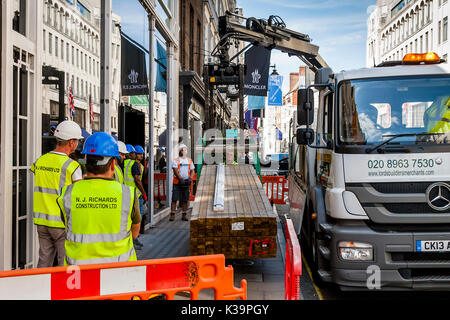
272 34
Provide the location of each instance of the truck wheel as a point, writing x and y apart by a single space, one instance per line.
315 260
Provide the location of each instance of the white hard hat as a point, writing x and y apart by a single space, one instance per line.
181 146
68 130
122 147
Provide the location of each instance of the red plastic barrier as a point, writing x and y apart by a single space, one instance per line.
293 267
276 189
160 188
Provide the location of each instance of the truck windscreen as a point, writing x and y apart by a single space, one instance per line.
374 110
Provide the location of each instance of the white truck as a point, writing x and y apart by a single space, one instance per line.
369 180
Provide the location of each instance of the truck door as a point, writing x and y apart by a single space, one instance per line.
324 136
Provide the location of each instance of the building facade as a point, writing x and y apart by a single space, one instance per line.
71 43
20 120
398 27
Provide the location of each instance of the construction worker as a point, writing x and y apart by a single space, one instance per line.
183 169
142 199
133 177
52 172
101 215
118 169
437 116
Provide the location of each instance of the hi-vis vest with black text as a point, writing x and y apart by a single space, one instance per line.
128 176
191 167
98 222
52 172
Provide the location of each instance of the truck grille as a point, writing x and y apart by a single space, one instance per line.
420 257
411 208
387 203
401 187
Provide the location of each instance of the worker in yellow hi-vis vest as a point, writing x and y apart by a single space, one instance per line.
101 215
437 116
52 172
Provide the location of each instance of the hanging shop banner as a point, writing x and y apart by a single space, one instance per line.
134 70
161 68
256 102
257 60
275 91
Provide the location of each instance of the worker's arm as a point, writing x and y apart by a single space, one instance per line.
137 180
135 230
176 172
77 175
135 218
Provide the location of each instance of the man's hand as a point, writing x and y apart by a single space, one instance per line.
145 197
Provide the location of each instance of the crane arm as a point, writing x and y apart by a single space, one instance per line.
271 34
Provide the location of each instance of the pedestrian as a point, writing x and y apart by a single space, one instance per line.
133 177
101 215
143 198
118 169
53 171
162 164
183 170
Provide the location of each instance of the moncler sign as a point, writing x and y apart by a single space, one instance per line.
257 60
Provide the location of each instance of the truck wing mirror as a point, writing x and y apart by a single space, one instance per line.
305 136
305 107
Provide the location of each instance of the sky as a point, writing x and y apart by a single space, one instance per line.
338 27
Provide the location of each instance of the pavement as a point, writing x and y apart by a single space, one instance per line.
265 277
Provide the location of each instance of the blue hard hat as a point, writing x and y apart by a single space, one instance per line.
101 144
139 149
130 148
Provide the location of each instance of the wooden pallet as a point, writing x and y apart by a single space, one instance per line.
246 228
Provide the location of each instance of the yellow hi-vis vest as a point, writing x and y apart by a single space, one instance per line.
437 116
128 176
118 174
97 213
51 173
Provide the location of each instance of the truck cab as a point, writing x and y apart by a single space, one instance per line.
369 176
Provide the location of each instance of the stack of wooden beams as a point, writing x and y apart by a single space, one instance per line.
245 229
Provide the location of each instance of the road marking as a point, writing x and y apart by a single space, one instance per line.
319 293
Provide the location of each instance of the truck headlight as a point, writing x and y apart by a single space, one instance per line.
355 251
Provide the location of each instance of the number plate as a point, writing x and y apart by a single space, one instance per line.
433 245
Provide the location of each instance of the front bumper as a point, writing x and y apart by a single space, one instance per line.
396 264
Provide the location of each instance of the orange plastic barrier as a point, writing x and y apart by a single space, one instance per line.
276 189
138 280
160 190
293 267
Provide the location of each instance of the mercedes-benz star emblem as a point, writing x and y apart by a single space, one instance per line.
438 196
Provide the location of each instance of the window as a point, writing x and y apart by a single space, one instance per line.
20 16
439 32
80 117
445 29
426 42
56 46
50 41
44 40
62 50
84 11
421 44
68 52
78 58
411 105
73 55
